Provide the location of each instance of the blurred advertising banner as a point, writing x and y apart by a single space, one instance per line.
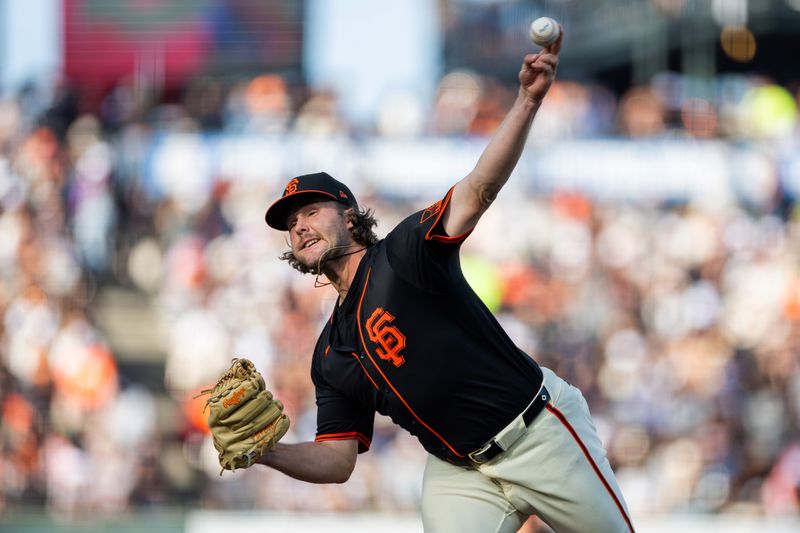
713 173
167 42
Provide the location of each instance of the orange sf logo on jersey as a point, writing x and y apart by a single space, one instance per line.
388 337
291 187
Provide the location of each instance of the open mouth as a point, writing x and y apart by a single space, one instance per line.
310 243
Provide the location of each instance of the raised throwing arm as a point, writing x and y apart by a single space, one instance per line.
473 195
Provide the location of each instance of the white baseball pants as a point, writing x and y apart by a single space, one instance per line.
557 470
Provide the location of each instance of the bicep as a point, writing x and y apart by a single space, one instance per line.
468 203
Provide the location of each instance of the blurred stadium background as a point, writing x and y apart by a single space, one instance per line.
647 247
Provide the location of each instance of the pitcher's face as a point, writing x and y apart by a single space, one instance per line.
315 228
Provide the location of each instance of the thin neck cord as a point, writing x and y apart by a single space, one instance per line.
322 257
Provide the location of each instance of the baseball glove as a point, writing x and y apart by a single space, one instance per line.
245 420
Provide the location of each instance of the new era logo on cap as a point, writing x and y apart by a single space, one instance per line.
307 188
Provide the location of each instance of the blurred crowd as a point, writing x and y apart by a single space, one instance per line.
680 324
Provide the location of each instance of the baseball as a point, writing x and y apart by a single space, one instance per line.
544 31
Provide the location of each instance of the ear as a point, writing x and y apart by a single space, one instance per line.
349 217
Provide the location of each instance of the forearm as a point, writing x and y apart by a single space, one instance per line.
473 195
314 462
504 150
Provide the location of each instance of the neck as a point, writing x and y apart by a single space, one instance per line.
341 269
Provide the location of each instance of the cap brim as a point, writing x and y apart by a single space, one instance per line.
278 212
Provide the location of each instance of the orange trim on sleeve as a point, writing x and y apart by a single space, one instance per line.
400 396
350 435
445 238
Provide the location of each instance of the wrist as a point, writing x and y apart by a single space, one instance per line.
528 101
265 458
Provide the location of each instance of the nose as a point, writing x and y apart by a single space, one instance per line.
300 226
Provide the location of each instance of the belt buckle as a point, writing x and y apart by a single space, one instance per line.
472 455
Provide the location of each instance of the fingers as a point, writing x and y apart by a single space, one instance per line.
527 66
540 61
548 59
547 70
555 48
530 59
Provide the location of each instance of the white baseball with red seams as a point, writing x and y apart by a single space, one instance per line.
544 31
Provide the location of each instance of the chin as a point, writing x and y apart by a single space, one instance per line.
305 260
309 261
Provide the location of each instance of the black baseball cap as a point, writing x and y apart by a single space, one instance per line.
304 189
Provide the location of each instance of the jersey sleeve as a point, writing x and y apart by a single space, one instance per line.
420 250
339 418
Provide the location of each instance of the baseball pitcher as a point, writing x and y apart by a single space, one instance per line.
408 338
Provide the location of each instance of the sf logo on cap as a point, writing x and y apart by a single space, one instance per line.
291 187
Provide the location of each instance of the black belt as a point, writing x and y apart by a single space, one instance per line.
492 449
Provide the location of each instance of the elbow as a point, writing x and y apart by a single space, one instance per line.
337 476
342 478
343 473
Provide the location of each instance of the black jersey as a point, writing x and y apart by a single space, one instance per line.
411 340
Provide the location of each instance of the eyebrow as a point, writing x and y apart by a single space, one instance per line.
303 209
